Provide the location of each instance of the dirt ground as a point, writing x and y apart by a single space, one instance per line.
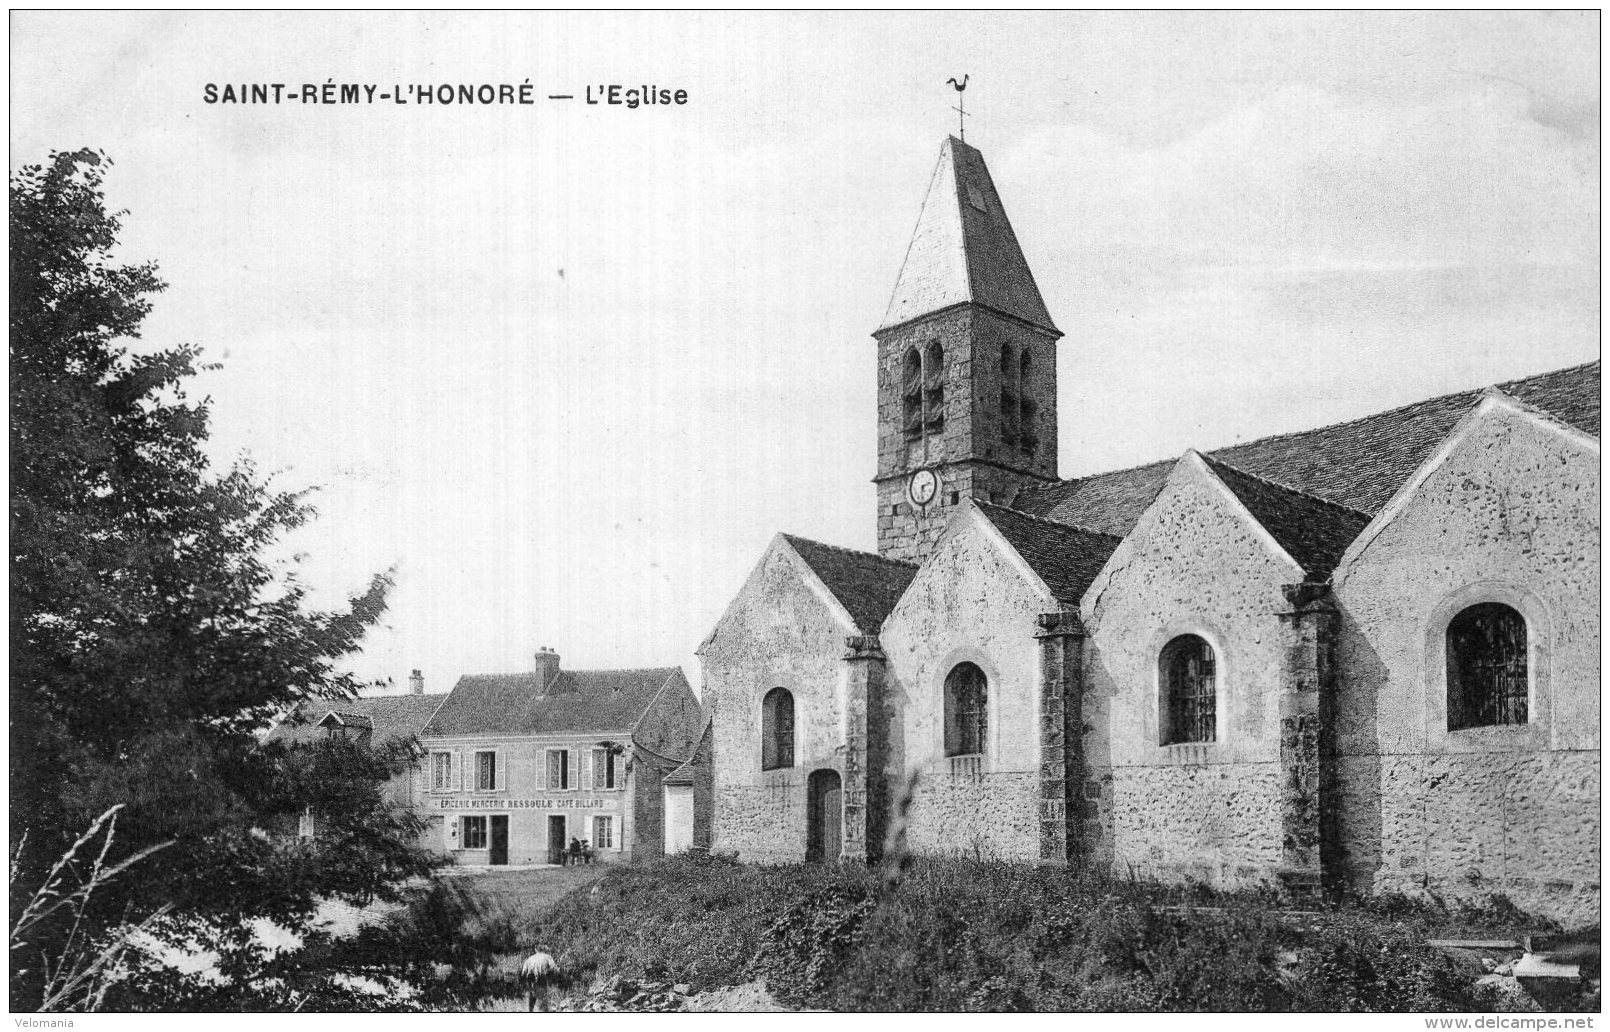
528 889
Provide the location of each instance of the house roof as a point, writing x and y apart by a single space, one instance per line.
1312 531
867 585
683 775
605 701
387 716
1066 558
1359 464
963 248
341 719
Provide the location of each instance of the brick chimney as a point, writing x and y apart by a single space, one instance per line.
416 683
547 668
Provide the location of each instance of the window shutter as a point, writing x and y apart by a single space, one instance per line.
553 769
575 765
456 774
600 769
501 773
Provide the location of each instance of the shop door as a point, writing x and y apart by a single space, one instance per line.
556 839
500 841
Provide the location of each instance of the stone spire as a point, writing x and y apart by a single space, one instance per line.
964 249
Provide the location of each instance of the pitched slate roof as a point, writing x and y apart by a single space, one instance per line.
576 701
389 716
963 248
1312 531
1066 558
1359 464
867 585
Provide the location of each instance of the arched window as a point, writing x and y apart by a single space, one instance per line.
1008 396
777 730
966 710
1487 682
1190 687
933 373
911 393
1028 410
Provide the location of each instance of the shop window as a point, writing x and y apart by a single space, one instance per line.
777 730
472 833
603 833
966 710
1188 670
1487 675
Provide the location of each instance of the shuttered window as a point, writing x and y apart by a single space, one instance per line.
441 772
603 833
560 770
486 771
603 769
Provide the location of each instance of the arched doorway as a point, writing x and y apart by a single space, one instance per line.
824 825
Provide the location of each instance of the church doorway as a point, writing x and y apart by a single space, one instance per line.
824 826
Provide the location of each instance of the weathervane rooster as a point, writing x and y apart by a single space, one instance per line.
961 103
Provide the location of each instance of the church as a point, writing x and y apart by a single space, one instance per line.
1360 657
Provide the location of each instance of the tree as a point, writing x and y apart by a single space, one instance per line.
151 636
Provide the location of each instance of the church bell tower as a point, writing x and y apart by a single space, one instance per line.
967 364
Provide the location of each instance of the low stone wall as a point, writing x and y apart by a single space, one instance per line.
1471 825
1216 823
996 815
762 821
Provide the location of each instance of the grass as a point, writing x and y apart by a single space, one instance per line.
970 934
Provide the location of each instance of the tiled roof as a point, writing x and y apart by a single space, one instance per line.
683 775
348 719
867 585
576 701
963 248
390 716
1312 531
1066 558
1360 464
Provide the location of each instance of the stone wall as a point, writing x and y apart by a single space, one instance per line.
1511 515
1195 563
973 601
778 632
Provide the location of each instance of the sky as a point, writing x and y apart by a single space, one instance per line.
567 368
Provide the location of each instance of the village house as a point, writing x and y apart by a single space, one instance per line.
519 765
1362 656
516 766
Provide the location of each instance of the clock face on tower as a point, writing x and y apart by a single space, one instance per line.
922 487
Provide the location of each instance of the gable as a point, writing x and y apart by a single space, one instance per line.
1195 530
782 598
386 716
972 562
1503 467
